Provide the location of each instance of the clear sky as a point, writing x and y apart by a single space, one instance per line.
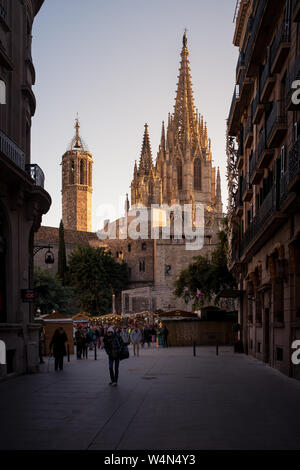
116 63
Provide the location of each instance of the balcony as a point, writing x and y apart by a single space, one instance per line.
262 225
11 151
257 109
245 89
276 124
296 11
238 203
255 174
267 82
246 191
254 32
294 167
248 133
233 121
240 65
280 47
240 157
264 154
36 174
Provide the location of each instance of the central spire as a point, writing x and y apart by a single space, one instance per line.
184 117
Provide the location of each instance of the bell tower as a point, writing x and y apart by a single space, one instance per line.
77 164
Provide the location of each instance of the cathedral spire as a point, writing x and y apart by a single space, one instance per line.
163 138
146 163
184 109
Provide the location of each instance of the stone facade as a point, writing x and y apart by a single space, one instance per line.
77 164
264 210
23 199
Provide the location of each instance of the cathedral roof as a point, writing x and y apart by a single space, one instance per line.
77 143
146 163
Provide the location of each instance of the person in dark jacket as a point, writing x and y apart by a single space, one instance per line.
58 346
112 345
165 336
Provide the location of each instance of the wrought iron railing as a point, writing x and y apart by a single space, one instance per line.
252 163
265 74
283 187
277 116
264 213
283 36
241 61
248 127
12 151
235 97
261 144
37 174
256 22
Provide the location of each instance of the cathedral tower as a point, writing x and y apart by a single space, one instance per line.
183 172
77 185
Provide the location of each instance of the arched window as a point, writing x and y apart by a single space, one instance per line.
82 172
197 174
179 174
2 92
72 172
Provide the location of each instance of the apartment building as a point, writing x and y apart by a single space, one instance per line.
264 179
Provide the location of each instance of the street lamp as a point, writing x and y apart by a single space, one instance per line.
49 256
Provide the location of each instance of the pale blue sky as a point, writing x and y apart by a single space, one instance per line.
116 64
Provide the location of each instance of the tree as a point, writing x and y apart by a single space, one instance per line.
62 259
51 294
93 273
207 276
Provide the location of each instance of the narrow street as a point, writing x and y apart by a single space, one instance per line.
166 399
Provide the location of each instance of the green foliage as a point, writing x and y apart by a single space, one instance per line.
51 294
93 272
62 259
208 274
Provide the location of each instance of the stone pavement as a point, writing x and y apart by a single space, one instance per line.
166 399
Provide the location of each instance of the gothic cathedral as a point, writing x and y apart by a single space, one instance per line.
183 173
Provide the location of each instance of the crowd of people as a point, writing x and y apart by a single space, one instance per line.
87 338
115 340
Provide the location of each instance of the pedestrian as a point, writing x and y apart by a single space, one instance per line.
112 345
136 338
59 349
147 336
165 336
125 336
79 337
41 345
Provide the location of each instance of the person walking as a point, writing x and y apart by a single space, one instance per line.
165 336
125 336
136 338
59 349
147 336
112 345
79 338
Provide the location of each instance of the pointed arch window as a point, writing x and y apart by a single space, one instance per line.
82 172
197 174
179 174
72 172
